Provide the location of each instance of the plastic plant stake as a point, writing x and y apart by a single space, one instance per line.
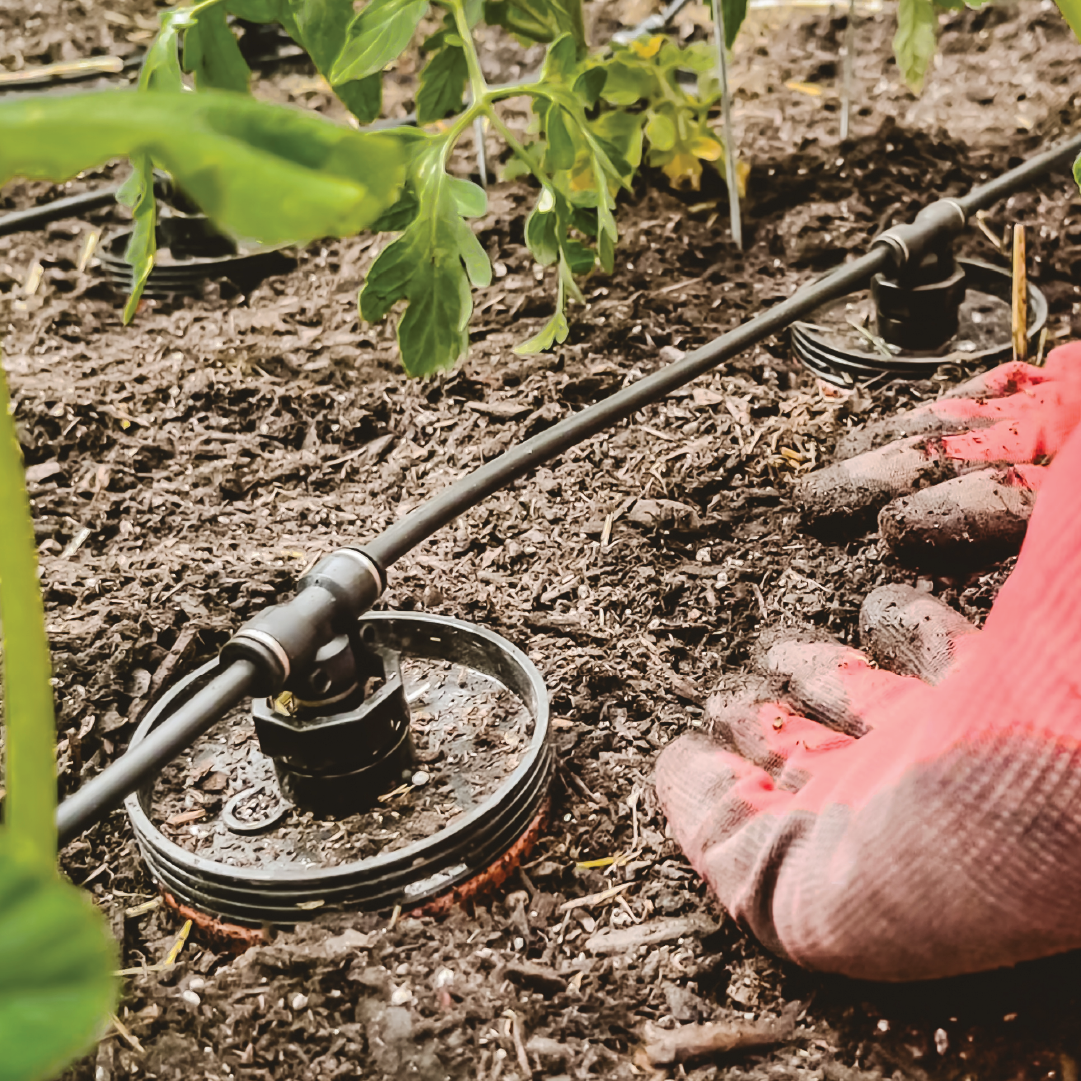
846 76
731 179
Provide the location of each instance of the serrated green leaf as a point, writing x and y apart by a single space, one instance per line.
621 131
376 37
915 40
555 330
430 266
441 84
1071 12
259 171
561 62
212 55
56 966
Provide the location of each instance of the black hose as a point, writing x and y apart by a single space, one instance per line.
146 758
70 207
418 526
893 248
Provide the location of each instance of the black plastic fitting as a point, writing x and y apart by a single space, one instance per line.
934 227
285 638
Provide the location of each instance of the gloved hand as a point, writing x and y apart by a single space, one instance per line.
934 828
944 508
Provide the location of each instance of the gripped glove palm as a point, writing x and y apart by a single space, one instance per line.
923 821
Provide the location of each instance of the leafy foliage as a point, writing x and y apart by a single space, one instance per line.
276 176
56 957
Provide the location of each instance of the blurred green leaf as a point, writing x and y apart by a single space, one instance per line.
56 968
539 20
212 55
915 40
30 807
1071 12
735 11
259 171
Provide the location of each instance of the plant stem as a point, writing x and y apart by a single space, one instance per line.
477 81
30 811
519 149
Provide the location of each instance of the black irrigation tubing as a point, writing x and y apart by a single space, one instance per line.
893 249
72 206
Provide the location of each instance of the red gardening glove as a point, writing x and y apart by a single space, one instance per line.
943 506
947 839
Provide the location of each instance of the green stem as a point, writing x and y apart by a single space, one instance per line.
512 141
30 806
477 81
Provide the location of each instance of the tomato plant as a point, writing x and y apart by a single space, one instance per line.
598 115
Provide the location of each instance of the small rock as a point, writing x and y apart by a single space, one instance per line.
299 1002
942 1041
190 998
420 778
196 983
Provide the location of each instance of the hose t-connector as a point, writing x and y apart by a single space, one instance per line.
282 641
933 228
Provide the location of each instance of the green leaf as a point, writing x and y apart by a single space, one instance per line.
259 171
321 27
561 146
661 131
441 85
556 329
212 55
589 84
735 11
540 233
161 65
1077 170
430 266
259 11
143 245
56 968
1071 12
915 40
376 37
539 20
30 810
627 83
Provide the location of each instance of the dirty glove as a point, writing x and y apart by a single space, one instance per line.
934 828
957 484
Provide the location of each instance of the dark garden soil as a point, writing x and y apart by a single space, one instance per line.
185 470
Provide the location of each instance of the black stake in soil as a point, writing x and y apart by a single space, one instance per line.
286 646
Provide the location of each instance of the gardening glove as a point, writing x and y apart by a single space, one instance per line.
956 486
923 821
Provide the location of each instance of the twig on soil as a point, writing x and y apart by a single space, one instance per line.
665 1047
1020 295
178 945
519 1047
126 1034
591 899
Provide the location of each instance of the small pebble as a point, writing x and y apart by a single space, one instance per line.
420 778
400 996
196 983
883 1025
942 1041
299 1002
190 997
